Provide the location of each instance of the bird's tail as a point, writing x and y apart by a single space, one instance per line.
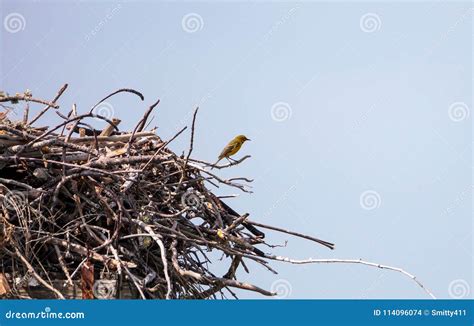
214 165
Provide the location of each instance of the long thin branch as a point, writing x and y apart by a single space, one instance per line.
23 97
297 234
113 138
352 261
240 285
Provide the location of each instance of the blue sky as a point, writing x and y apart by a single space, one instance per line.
359 115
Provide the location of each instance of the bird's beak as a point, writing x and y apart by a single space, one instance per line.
248 139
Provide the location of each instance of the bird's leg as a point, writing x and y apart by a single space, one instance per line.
231 160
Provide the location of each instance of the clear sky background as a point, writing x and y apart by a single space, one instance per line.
360 116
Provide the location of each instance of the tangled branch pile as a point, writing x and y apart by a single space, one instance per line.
82 205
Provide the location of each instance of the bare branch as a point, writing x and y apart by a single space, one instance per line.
353 261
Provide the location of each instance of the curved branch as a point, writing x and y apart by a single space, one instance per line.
352 261
127 90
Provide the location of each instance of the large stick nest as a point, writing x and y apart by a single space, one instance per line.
85 204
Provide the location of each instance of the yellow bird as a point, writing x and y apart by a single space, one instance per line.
232 147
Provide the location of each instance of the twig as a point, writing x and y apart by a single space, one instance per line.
142 122
63 264
43 111
191 145
219 167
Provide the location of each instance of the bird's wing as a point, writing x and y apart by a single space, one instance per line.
228 150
